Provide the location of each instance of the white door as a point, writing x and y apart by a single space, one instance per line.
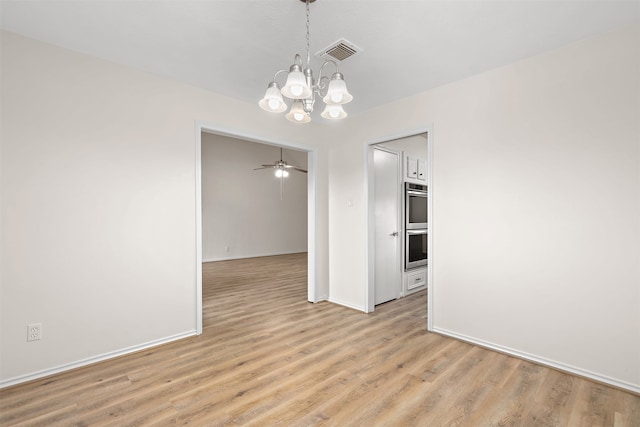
387 275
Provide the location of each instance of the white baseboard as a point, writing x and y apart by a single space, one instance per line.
94 359
634 388
321 298
229 258
346 304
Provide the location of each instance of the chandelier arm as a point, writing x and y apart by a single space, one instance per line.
278 72
320 76
323 83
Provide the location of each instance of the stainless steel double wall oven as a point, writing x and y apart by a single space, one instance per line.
416 225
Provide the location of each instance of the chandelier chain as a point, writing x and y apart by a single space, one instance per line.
308 37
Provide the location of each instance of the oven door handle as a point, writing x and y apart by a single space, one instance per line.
416 231
417 193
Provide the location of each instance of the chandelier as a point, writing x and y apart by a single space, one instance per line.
302 88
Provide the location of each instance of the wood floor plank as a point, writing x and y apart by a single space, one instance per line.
268 357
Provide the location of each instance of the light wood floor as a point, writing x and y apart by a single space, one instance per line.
269 358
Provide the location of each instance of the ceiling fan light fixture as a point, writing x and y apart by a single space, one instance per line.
282 169
272 100
282 173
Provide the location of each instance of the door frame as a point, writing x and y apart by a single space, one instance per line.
369 246
312 167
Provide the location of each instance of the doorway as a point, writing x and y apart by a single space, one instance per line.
311 206
415 150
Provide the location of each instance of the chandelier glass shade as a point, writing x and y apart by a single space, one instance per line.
333 112
272 100
337 93
297 113
303 88
296 86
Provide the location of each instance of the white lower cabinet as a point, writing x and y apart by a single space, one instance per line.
415 279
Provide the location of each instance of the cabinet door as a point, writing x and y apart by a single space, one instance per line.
412 167
422 170
416 279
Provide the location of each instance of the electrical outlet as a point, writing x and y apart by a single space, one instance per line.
34 331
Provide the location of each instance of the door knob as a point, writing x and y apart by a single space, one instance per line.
394 234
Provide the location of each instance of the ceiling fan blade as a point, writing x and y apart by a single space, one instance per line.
293 167
281 164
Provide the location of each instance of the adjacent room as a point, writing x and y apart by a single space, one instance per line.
318 212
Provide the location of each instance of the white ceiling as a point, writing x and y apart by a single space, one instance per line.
234 47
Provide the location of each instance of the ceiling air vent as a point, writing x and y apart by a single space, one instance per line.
339 51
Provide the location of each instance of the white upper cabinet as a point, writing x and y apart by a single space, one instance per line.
412 167
422 170
416 169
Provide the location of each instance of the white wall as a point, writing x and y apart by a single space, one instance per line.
98 204
347 224
242 213
536 197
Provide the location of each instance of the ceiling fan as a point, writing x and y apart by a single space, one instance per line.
281 167
282 170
